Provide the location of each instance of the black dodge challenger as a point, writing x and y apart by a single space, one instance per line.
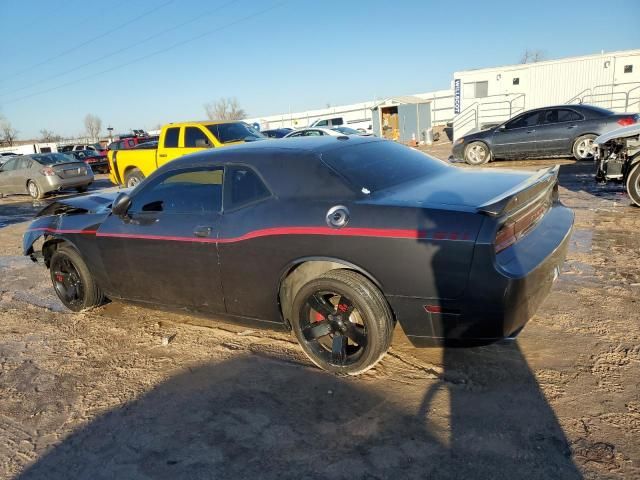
334 238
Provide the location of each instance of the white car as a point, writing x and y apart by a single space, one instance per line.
319 132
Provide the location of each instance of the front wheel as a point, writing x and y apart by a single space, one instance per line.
133 177
342 322
633 184
82 189
72 281
583 147
477 153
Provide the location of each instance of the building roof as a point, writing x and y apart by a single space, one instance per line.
401 100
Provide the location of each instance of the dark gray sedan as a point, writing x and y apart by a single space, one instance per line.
43 173
561 131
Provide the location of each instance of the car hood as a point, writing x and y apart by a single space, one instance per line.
457 188
629 131
95 203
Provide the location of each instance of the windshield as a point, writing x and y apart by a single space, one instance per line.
378 165
52 158
234 132
346 130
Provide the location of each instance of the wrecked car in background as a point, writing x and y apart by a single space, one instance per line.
617 155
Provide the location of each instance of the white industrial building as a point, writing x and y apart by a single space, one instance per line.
492 95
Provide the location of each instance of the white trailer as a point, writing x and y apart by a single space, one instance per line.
492 95
30 148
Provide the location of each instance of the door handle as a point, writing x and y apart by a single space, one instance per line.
572 126
202 231
162 155
531 131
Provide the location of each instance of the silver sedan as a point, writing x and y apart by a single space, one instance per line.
43 173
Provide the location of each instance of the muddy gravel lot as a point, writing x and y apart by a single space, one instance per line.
128 392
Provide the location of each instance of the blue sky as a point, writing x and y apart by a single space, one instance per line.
273 56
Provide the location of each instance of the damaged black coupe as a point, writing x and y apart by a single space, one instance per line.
337 239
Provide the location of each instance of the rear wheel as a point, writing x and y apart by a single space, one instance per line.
583 147
133 177
34 190
82 189
477 153
342 322
72 280
633 184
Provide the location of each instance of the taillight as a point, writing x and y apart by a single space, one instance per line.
515 229
626 121
48 172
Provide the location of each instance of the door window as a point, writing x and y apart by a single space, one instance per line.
525 120
336 121
171 137
244 186
297 134
322 123
559 115
195 138
190 191
313 133
10 165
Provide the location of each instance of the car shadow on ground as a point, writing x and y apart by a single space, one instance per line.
256 417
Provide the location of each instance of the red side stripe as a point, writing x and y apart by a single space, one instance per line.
269 232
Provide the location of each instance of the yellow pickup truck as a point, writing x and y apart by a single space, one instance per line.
130 167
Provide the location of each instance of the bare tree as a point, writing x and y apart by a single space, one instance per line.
93 126
532 56
49 136
9 134
225 109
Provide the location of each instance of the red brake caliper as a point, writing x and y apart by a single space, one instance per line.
59 277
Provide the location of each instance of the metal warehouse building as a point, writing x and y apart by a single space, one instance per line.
486 96
492 95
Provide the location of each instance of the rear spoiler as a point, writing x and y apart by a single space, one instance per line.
522 194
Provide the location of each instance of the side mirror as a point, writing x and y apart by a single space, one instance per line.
501 128
121 204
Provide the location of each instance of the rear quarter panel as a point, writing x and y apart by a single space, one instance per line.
399 247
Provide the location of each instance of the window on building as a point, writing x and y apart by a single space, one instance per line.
195 138
516 81
171 137
476 89
628 69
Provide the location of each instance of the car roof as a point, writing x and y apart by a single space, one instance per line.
203 122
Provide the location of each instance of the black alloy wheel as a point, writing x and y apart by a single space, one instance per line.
72 280
342 322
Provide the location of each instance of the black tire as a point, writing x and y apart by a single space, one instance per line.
133 177
582 146
72 281
82 189
633 184
34 190
360 312
477 153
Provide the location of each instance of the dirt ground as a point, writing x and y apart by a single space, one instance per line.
127 392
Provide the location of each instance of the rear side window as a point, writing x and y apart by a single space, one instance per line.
244 186
194 191
171 137
195 138
336 121
374 166
558 115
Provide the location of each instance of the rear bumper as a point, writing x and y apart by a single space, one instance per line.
52 184
503 293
